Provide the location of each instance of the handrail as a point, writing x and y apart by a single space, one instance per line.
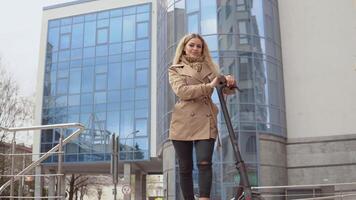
302 186
48 153
331 195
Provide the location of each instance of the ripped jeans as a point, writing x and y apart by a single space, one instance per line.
204 152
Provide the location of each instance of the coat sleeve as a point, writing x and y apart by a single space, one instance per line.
185 91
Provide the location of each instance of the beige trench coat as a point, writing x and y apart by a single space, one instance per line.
194 115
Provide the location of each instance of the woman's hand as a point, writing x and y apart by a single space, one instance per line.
230 81
214 82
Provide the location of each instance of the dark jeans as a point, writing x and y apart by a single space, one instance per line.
204 152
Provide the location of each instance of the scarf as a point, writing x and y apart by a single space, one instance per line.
193 62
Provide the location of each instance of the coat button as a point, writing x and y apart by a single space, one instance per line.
192 114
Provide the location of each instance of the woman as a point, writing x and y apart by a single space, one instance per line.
193 77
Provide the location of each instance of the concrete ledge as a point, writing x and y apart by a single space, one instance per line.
318 160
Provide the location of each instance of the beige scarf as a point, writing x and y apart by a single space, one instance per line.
195 63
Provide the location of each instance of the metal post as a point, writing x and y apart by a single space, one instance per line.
60 155
22 180
13 149
114 164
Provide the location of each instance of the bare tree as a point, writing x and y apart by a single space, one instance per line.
14 111
99 190
78 185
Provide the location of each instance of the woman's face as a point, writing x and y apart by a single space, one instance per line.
194 48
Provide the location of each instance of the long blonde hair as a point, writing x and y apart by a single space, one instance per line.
206 53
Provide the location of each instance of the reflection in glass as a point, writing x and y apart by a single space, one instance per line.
141 77
103 23
100 82
66 29
53 38
63 55
141 144
127 124
62 85
208 17
65 41
100 97
128 47
89 34
142 64
129 25
192 6
115 29
141 126
74 100
114 49
102 36
102 50
141 93
87 79
89 52
128 78
113 74
142 30
193 23
142 45
86 72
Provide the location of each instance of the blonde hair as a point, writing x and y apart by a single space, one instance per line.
205 52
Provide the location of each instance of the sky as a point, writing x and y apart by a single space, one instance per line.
20 27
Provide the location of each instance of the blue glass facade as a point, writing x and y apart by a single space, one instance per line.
98 73
244 39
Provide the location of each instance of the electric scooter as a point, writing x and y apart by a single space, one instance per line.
244 191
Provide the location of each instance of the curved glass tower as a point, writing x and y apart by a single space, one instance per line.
244 39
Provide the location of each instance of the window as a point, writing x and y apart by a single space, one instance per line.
192 6
193 23
228 9
142 30
89 34
241 5
251 145
243 32
102 36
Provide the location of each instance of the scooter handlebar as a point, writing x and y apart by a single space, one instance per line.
222 84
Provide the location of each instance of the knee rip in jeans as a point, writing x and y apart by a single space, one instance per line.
204 165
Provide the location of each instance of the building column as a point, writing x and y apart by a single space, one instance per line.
38 183
169 172
63 186
140 186
127 179
51 185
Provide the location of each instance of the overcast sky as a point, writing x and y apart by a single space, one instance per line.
20 27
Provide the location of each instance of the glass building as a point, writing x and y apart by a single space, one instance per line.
97 73
244 39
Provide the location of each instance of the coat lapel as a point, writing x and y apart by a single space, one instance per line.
188 71
205 71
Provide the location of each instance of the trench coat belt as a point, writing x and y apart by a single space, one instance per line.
204 100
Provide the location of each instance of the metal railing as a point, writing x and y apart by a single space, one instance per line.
289 191
58 149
